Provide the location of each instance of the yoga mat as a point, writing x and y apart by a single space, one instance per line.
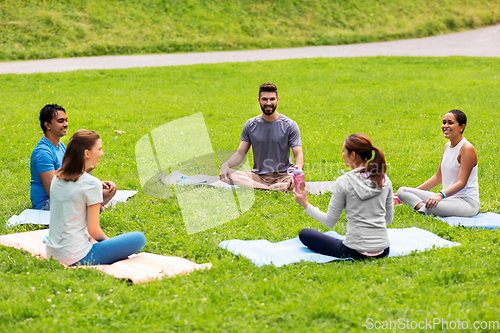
42 217
262 252
138 268
177 178
485 221
120 196
30 216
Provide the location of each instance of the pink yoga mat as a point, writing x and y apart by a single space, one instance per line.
138 268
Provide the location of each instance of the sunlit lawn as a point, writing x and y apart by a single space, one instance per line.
398 102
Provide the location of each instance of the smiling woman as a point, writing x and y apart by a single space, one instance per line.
457 172
75 235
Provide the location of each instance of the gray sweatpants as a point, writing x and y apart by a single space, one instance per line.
452 206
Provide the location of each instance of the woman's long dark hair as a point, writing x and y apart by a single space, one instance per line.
73 163
362 145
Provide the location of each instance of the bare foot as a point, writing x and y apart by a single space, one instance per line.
279 187
419 205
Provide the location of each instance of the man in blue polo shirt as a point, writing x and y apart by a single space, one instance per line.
48 154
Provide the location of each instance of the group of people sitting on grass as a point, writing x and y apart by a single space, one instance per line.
62 182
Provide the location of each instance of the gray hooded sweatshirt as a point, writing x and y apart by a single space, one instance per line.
368 208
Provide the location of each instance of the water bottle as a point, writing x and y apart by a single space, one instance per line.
298 179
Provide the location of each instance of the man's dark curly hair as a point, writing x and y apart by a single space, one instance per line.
47 113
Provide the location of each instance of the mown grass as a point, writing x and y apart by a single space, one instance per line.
54 29
398 102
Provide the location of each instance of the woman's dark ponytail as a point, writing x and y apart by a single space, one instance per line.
376 166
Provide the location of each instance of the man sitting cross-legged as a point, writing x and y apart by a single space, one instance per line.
47 157
271 136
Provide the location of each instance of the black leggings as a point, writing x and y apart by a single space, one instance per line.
324 244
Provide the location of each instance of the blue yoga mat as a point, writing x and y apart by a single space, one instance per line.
486 221
262 252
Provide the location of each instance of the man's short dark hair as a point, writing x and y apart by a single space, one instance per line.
47 113
268 87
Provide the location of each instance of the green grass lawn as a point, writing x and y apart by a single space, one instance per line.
398 102
76 28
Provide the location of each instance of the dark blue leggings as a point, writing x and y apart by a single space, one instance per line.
331 246
114 249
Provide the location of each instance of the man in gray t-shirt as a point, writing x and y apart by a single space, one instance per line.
271 136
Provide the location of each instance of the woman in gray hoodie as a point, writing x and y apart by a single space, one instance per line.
365 193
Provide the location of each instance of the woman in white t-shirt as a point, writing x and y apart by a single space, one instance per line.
457 171
75 202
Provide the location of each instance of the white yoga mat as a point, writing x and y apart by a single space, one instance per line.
42 217
177 178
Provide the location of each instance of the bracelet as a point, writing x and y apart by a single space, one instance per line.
444 195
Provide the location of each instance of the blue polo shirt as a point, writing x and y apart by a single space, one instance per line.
45 157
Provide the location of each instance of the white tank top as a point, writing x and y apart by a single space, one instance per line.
449 171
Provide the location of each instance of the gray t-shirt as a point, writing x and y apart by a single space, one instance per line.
271 143
68 235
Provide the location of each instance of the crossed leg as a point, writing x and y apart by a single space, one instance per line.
253 180
451 206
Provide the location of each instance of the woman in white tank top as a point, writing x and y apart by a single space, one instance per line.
457 172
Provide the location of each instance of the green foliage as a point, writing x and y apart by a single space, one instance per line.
398 102
54 29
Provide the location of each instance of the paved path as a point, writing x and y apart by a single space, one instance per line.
483 42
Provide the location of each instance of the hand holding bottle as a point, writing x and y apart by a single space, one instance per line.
298 179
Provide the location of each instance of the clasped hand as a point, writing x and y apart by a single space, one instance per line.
225 173
109 186
433 201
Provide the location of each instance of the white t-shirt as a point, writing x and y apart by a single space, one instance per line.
68 235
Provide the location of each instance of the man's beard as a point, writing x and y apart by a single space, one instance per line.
268 113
